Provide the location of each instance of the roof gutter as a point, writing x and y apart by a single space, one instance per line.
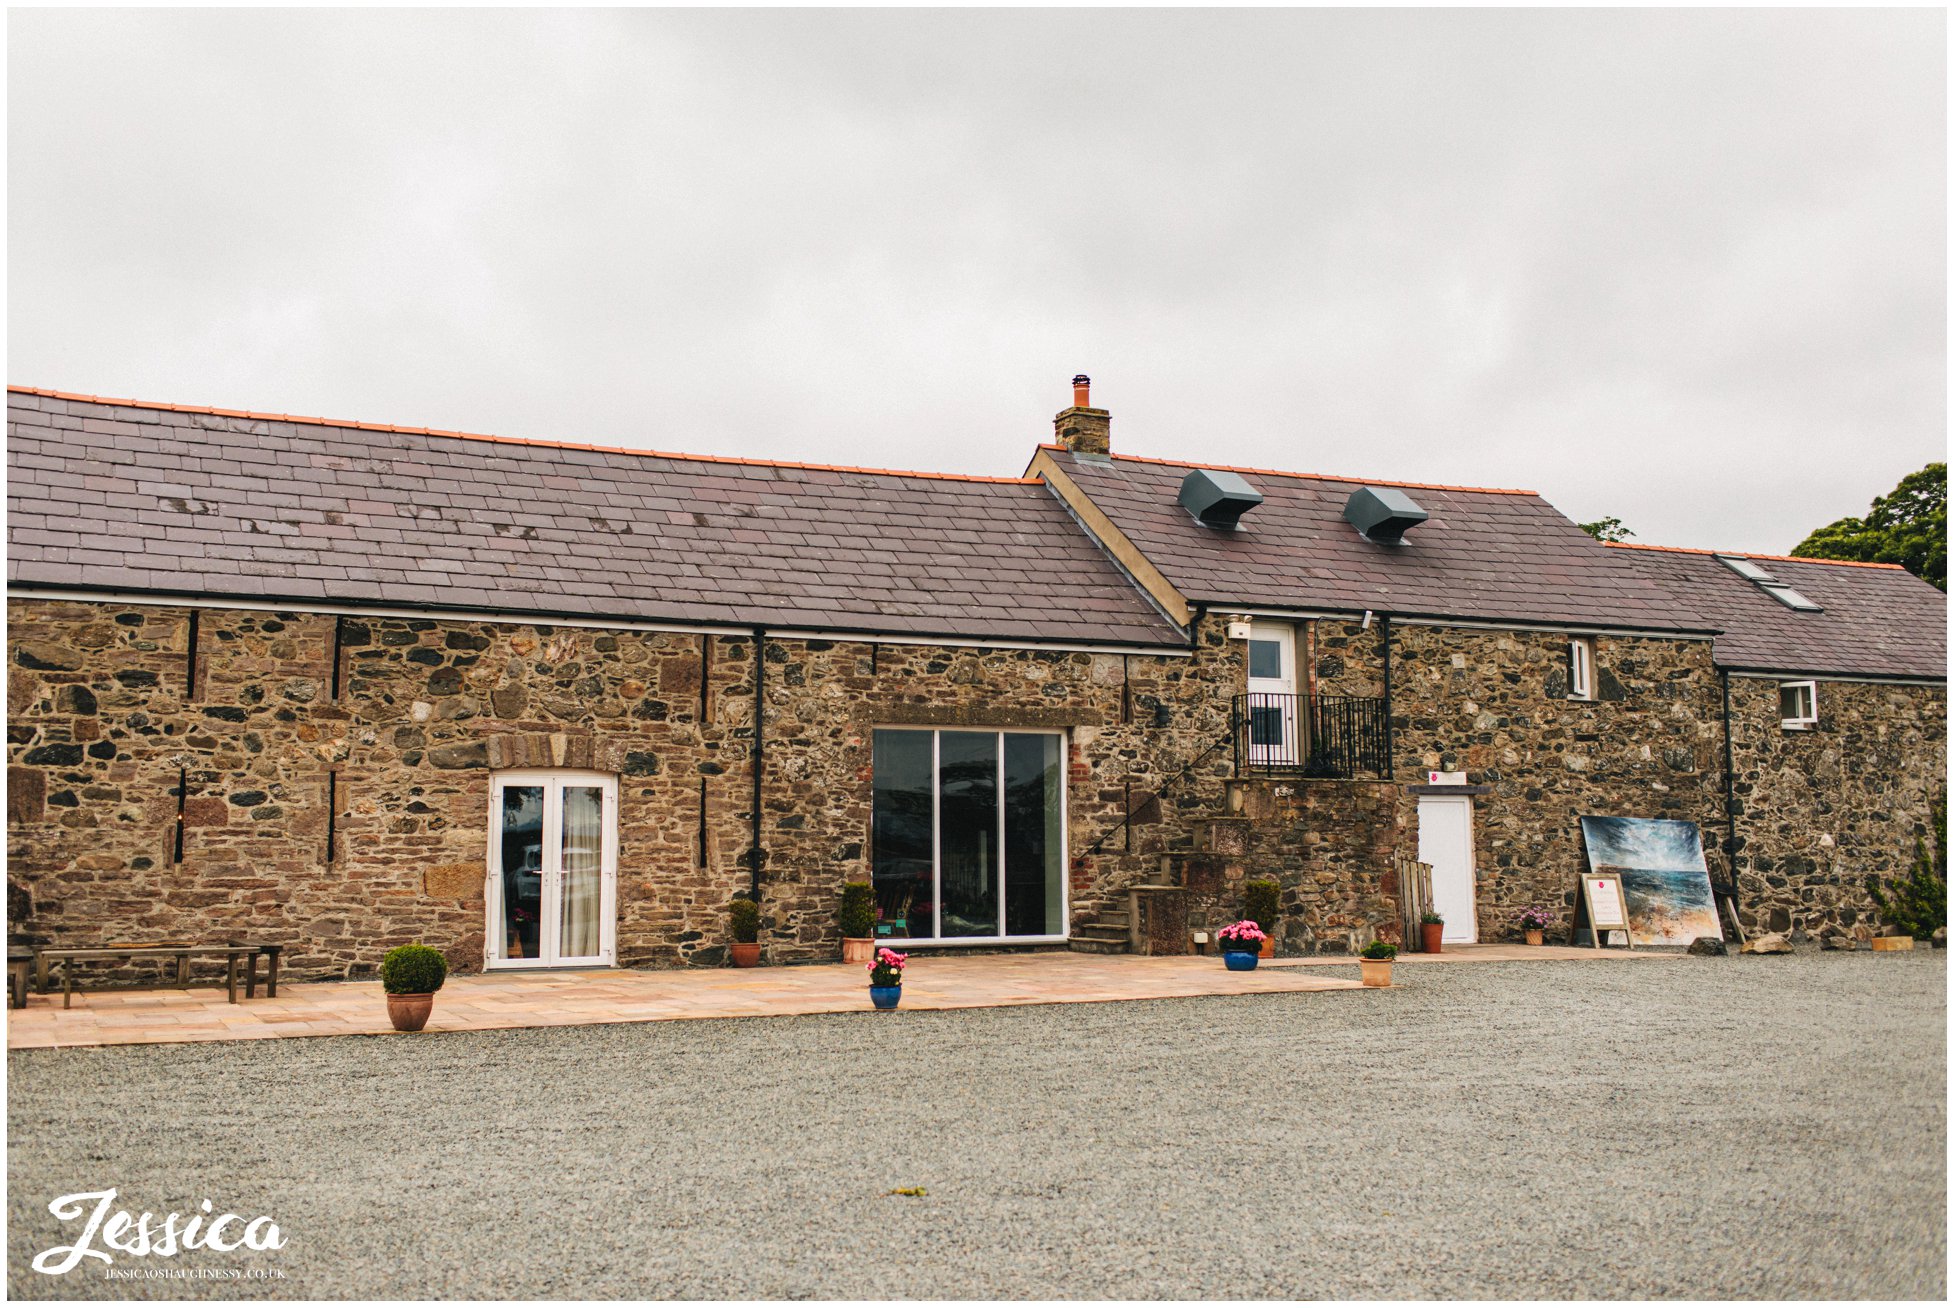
607 622
1485 624
1869 678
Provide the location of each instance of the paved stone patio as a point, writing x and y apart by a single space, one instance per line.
504 1000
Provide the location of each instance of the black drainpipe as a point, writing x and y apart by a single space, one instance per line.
759 749
1390 758
1729 795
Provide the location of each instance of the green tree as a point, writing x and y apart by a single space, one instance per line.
1917 904
1907 527
1607 529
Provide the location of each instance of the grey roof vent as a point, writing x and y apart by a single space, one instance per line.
1382 513
1217 498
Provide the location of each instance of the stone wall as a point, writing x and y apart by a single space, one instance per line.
1493 704
1819 811
345 810
1331 846
1133 721
394 770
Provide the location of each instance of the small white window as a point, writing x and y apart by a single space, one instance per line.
1798 704
1580 668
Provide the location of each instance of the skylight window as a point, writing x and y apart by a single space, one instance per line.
1746 569
1770 585
1791 599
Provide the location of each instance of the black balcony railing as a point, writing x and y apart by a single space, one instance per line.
1312 736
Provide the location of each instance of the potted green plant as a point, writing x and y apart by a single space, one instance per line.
746 933
1431 931
410 974
1375 962
1534 922
1241 945
857 922
885 978
1261 904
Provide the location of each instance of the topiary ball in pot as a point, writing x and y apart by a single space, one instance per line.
746 921
1262 905
857 922
413 970
410 975
745 916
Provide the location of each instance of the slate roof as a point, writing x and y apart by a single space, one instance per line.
1879 620
1488 555
129 495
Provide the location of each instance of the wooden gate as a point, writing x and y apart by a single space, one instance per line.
1414 897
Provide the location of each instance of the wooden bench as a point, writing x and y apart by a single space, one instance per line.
247 952
20 962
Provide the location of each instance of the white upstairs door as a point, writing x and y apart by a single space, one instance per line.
1445 842
1273 736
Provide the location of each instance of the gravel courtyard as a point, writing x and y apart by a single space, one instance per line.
1701 1128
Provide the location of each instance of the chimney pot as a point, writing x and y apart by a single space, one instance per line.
1082 428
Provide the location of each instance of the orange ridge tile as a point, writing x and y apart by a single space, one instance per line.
1313 476
511 440
1738 554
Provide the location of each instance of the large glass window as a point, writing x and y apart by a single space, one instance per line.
1034 836
968 834
904 834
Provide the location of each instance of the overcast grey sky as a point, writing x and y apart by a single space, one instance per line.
1683 267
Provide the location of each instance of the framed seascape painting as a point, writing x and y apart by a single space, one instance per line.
1664 878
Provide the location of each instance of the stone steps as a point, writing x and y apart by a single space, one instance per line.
1103 930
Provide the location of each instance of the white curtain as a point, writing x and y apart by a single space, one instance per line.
583 870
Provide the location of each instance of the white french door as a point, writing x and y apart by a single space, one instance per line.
552 869
1274 729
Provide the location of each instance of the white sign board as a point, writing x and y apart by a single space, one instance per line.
1607 911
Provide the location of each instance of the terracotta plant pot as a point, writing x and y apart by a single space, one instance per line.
1268 948
746 953
409 1012
1535 937
1433 936
854 950
1377 971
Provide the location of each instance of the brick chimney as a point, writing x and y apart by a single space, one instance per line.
1082 428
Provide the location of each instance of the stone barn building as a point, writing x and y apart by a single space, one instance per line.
349 685
1834 685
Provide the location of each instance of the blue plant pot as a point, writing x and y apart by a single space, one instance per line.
1238 961
885 996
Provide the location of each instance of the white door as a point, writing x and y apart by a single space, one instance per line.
552 870
1274 738
1445 842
